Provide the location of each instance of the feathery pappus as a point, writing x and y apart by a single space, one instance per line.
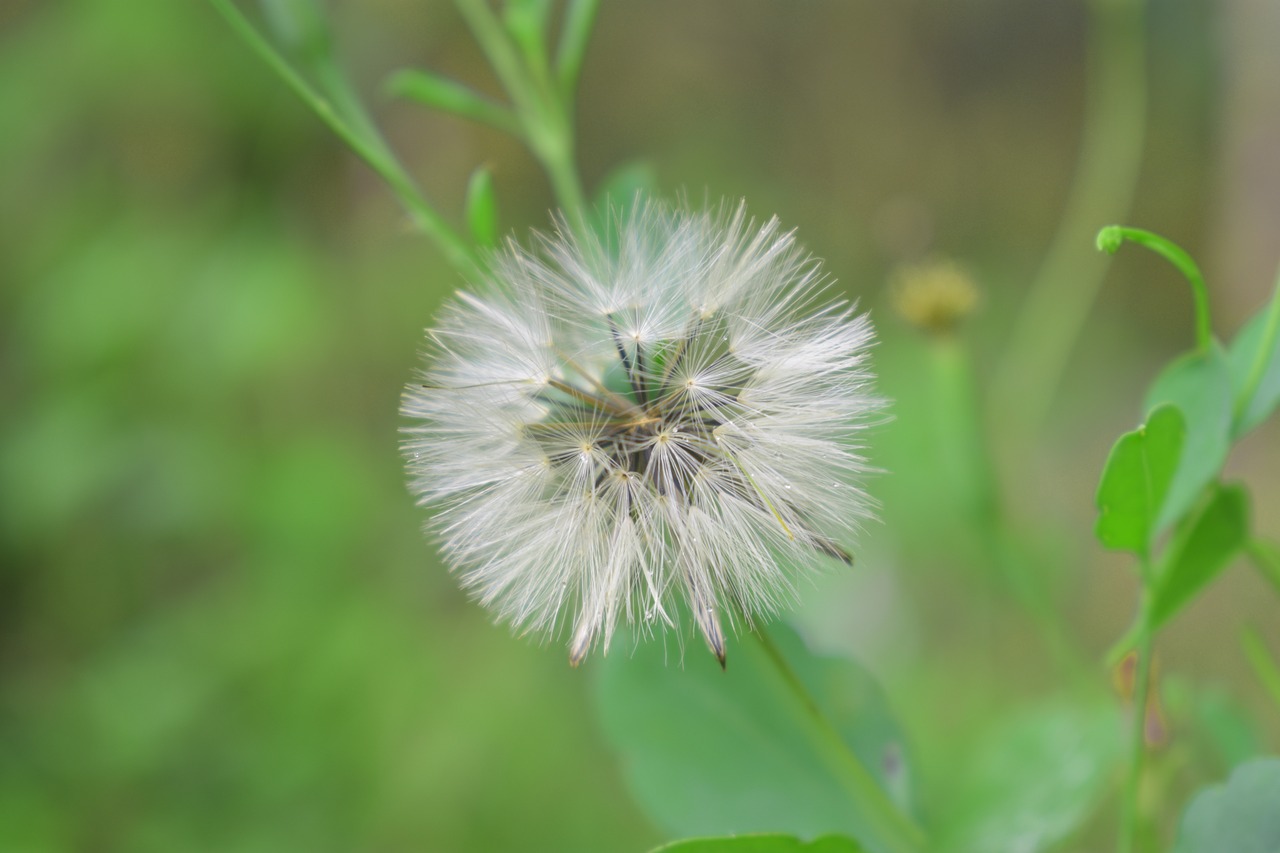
669 413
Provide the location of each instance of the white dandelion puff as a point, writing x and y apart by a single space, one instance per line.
670 414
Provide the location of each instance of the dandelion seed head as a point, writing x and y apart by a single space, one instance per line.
672 413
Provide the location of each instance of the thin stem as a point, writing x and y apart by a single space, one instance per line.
894 828
1068 281
1130 812
1264 666
456 250
1110 240
1262 359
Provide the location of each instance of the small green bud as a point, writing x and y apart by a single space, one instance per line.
1110 239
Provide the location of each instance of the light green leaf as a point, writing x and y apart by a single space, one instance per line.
526 21
619 188
1199 553
300 26
762 844
482 208
711 752
1136 480
1199 384
1033 780
1240 816
1247 355
1266 556
452 97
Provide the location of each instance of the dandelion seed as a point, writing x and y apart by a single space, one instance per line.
670 414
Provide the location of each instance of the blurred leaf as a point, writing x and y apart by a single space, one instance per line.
1243 356
1196 555
526 21
762 844
1266 556
711 752
1227 725
452 97
618 189
300 26
1264 665
482 208
1136 479
1199 384
1034 780
1240 816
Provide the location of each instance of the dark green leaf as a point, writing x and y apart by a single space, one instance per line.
711 752
450 96
762 844
1199 553
1033 780
482 208
1136 480
1244 355
1199 384
1241 816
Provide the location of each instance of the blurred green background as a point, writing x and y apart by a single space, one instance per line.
220 625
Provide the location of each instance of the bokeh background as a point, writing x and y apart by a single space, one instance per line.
220 625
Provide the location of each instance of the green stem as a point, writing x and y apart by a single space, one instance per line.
894 828
1262 359
1130 812
1110 239
1264 666
1068 281
545 114
456 250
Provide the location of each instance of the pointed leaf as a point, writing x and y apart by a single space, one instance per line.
1199 384
711 752
1198 554
763 844
1136 480
482 208
450 96
1240 816
1257 346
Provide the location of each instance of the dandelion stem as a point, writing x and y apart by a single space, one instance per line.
894 829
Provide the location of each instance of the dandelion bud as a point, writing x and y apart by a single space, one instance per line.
659 421
934 296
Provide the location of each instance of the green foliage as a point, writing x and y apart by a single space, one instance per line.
1135 481
1199 384
1255 368
482 208
1200 551
762 844
1033 780
1240 816
709 752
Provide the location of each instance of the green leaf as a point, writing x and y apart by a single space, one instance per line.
762 844
452 97
1136 479
1198 553
1199 384
620 187
300 26
1255 368
1240 816
1266 556
482 208
526 21
1033 780
711 752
